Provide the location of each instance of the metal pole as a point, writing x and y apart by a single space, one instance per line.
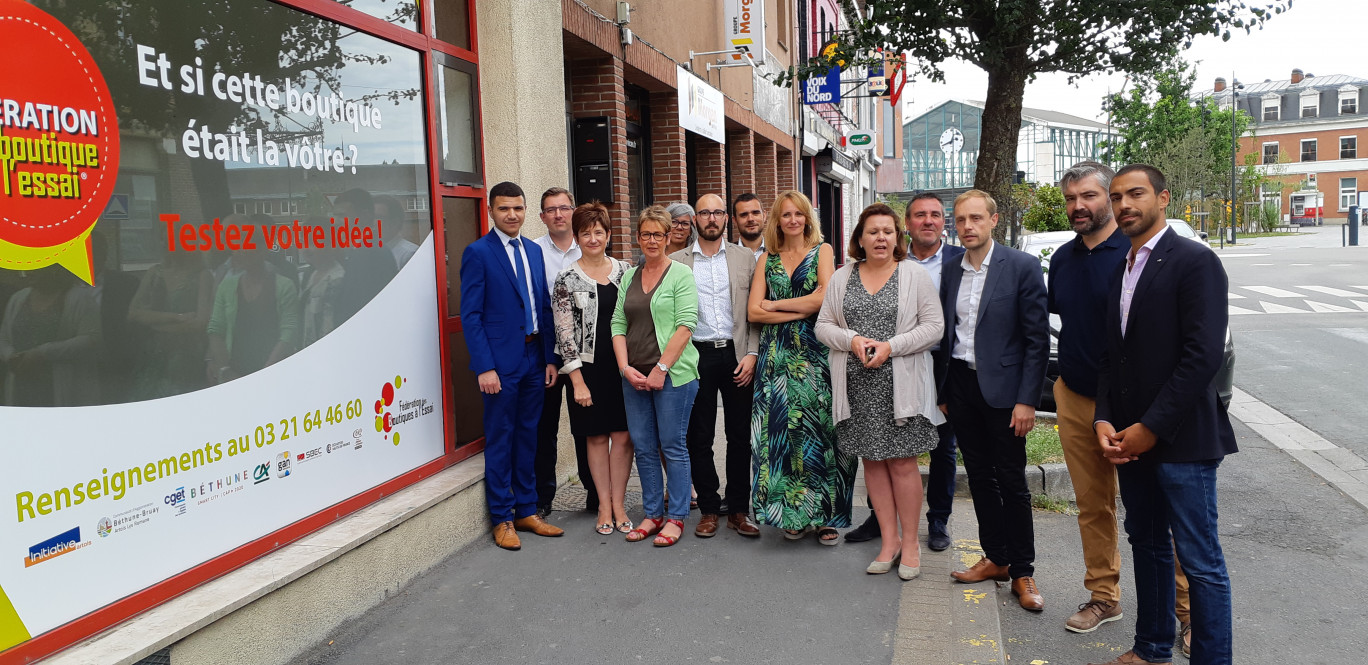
1234 148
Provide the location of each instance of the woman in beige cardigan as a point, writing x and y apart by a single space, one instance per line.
880 318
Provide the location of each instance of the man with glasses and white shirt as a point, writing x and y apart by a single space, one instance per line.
728 346
559 251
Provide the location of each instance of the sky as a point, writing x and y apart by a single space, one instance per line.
1303 37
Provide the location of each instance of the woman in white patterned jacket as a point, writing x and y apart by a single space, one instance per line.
582 303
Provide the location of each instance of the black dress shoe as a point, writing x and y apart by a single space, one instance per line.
937 539
867 531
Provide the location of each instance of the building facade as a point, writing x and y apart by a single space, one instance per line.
1307 133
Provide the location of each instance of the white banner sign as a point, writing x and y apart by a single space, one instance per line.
136 493
701 107
745 27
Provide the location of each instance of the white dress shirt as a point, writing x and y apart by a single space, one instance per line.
527 270
932 264
714 295
967 306
556 261
1135 265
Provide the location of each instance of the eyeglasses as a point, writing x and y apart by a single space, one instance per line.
652 235
681 223
558 209
712 213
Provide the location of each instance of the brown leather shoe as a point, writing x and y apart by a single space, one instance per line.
1129 658
1185 637
537 525
707 527
1092 614
505 537
743 525
985 569
1024 588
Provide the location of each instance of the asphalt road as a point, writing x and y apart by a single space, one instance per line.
1311 365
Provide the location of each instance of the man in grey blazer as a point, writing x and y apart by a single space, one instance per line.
998 341
728 345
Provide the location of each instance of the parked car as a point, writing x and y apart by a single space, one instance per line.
1185 230
1044 244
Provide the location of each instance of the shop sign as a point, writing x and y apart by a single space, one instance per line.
744 28
878 85
861 140
701 107
135 458
823 89
837 165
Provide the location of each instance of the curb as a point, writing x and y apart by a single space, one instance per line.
1051 480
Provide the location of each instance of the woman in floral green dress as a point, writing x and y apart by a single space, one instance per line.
802 482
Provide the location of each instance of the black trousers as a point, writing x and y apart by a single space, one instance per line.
548 430
715 367
995 460
940 483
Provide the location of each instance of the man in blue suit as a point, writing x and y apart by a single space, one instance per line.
1158 418
506 319
994 353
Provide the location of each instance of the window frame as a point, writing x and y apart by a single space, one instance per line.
1353 152
1275 152
1350 192
1314 101
1348 94
1314 150
1272 103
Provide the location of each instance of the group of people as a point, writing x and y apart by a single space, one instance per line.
914 346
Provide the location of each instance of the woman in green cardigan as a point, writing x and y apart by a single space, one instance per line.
652 324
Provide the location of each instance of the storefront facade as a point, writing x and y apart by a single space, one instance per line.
238 322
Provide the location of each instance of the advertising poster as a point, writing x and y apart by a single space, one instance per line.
217 288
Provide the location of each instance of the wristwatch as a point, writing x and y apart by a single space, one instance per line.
663 367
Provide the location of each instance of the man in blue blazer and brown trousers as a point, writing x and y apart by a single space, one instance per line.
994 353
1158 418
506 320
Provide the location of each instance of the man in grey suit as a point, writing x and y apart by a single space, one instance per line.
728 345
998 341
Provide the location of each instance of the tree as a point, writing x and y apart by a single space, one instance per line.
1015 40
1047 212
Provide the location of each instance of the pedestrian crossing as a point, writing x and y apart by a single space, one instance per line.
1298 299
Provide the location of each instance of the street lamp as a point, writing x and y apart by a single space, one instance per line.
1235 88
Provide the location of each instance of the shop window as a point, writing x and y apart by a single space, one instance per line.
1308 150
458 121
1348 193
1348 147
403 13
453 22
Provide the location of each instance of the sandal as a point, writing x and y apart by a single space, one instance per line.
790 534
824 532
605 529
642 533
663 540
624 526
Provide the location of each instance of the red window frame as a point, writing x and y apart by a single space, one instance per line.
423 41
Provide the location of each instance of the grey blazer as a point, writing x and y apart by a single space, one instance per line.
740 269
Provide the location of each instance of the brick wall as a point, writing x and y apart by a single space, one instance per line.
669 171
596 90
766 170
788 175
741 145
712 168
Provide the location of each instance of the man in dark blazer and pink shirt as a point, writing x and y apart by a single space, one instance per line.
1158 418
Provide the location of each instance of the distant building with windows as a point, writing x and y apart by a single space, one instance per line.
1311 127
941 146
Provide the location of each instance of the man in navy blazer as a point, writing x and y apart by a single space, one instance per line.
506 320
1158 418
992 365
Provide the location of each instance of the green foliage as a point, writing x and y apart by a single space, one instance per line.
1046 212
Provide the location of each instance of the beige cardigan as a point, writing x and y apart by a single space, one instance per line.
919 327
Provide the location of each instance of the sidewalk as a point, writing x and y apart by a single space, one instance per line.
589 598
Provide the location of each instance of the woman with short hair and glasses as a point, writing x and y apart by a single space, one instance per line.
652 325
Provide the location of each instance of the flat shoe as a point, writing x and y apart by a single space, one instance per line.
605 529
625 526
828 531
908 573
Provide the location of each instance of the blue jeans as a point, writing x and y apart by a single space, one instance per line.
658 421
1177 498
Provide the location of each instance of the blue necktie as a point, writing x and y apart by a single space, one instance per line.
522 285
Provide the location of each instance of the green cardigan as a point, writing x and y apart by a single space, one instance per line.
674 303
223 319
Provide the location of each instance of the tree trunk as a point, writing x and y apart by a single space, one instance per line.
997 160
